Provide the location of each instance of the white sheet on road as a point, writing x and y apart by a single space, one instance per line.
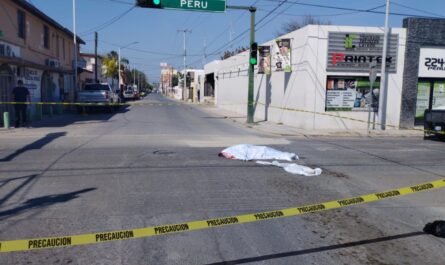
248 152
294 168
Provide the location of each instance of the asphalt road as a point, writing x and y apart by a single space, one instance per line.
156 165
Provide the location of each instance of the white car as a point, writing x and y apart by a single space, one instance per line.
129 93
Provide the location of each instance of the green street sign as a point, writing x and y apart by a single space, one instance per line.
194 5
1 34
191 5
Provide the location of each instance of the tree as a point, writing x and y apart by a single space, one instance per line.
228 54
296 24
111 64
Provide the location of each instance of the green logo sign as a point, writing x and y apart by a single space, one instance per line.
349 41
1 34
196 5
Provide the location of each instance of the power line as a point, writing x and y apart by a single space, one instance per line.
108 23
417 9
352 9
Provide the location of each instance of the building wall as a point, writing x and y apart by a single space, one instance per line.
419 34
32 47
29 60
304 88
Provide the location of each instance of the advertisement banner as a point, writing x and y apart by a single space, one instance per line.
350 94
264 65
283 52
432 62
357 52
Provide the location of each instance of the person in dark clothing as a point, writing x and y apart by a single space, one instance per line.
20 94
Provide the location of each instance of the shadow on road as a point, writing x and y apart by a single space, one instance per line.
92 115
34 146
44 201
28 180
319 249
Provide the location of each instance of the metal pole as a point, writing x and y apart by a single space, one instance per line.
184 32
95 57
383 84
75 45
370 104
250 109
119 68
250 96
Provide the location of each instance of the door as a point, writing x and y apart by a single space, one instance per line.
46 93
438 100
6 84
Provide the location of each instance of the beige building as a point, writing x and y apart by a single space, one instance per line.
38 50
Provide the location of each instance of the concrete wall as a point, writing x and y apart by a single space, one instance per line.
305 87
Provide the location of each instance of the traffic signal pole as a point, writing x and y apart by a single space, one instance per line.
216 8
250 100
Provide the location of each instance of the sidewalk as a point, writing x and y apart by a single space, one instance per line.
286 130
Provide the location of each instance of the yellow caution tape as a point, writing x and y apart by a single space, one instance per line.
102 237
86 104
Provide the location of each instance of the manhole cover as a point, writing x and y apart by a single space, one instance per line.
164 153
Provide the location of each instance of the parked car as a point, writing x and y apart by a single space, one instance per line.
98 93
129 93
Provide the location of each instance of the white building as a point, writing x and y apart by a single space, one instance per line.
330 73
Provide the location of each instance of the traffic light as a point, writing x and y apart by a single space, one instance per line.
149 3
254 54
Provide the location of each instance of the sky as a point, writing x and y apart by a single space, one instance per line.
119 23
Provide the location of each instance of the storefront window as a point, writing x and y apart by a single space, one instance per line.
351 93
423 99
439 95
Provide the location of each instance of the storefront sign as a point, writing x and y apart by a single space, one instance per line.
32 78
264 66
356 52
8 50
283 52
432 62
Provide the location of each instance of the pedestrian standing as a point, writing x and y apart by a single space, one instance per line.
20 95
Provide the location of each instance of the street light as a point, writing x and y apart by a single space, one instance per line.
119 61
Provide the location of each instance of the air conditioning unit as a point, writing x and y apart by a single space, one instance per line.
52 63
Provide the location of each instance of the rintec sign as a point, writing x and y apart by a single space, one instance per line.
196 5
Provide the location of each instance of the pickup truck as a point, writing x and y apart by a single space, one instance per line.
98 93
434 124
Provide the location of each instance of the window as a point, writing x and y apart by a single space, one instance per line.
58 47
350 93
46 36
21 23
63 48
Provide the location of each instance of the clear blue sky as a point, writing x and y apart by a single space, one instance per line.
157 30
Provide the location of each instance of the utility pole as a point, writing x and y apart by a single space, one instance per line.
383 83
250 96
95 57
204 59
184 32
119 68
75 45
119 61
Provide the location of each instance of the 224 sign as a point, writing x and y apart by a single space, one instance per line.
433 63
